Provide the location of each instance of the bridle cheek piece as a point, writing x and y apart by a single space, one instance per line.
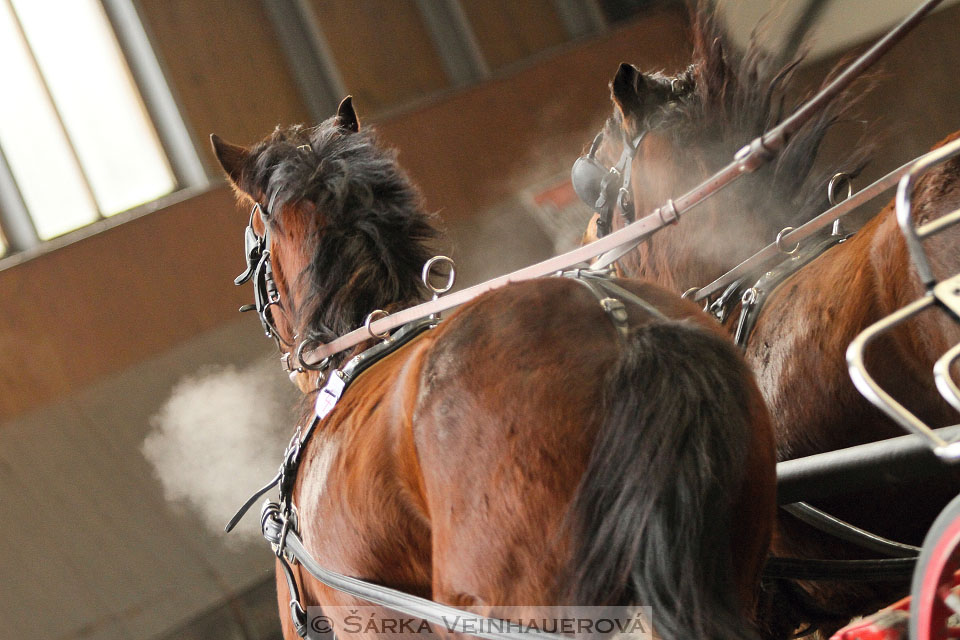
604 188
260 270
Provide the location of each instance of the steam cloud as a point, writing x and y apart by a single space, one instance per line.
220 437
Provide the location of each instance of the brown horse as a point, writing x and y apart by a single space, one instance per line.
523 452
690 125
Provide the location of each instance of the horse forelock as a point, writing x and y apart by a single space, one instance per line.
345 201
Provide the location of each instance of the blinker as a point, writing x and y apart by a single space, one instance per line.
253 247
597 186
587 174
587 177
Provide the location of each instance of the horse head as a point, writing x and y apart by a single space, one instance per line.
686 126
341 226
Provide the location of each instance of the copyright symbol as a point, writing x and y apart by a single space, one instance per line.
321 624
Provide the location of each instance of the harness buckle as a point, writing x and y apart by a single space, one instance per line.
616 309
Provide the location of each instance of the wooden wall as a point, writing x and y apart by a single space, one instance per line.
96 333
225 65
103 303
108 301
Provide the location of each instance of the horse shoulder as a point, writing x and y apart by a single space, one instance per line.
798 346
359 490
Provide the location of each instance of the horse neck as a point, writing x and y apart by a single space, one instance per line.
897 281
697 249
707 241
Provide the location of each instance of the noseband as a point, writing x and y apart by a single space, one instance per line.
596 185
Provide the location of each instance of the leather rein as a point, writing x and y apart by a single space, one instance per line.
278 520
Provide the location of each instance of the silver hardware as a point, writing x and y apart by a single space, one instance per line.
779 241
770 251
948 293
941 375
873 392
376 314
835 181
689 293
750 296
290 523
943 295
428 271
834 199
912 234
303 364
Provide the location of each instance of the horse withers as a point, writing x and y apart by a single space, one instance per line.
673 131
531 450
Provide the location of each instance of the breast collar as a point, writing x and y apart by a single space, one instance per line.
753 298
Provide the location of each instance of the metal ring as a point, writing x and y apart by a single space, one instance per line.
839 178
783 232
376 314
428 268
689 293
749 296
304 365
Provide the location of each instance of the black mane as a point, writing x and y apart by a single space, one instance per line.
365 222
726 98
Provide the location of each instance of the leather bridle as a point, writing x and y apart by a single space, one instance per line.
605 188
260 270
266 295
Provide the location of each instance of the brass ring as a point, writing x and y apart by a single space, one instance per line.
376 314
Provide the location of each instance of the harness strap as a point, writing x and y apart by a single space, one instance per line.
838 528
354 367
814 569
614 309
611 296
457 620
755 297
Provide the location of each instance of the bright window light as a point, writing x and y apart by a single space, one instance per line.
34 143
78 139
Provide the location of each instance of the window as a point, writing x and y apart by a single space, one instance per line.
77 143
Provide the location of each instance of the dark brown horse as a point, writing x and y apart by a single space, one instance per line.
522 453
691 125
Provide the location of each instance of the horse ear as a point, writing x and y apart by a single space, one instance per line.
232 157
347 116
627 88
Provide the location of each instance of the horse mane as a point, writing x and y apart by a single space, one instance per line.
726 98
357 210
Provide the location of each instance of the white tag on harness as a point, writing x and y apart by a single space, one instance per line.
329 395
